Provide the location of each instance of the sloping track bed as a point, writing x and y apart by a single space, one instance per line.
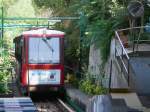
47 102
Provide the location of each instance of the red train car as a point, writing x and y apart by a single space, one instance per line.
40 57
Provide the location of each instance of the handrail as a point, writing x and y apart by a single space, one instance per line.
133 28
123 65
110 76
122 45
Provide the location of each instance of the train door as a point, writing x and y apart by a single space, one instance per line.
18 54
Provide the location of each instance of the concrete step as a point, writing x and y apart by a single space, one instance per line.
131 99
120 90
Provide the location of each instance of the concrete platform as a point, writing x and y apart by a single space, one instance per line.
145 100
131 99
17 104
78 97
121 102
141 74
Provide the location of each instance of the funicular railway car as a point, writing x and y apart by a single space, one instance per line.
40 57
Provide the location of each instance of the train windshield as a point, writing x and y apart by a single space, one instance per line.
44 50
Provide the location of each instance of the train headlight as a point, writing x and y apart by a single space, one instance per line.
44 77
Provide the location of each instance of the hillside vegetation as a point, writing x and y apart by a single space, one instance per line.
98 21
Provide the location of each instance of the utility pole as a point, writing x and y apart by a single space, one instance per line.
2 22
2 29
83 25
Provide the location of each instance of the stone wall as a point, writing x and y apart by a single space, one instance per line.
94 60
99 103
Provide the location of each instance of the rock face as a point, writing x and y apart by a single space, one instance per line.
94 60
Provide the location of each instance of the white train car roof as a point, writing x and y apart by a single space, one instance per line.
43 31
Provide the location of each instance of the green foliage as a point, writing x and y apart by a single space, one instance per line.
7 3
5 71
57 7
5 75
146 13
4 88
99 21
21 8
49 3
93 14
92 84
4 78
145 36
91 89
100 33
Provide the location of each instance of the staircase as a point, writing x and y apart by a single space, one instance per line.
132 63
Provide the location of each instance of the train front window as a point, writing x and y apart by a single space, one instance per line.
44 50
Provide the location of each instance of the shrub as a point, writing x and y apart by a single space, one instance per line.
90 88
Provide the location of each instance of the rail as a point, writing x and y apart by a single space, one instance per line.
122 54
120 42
50 102
110 77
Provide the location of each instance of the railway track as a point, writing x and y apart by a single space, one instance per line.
49 103
50 106
44 101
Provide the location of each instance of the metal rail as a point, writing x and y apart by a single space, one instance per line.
110 76
123 53
23 26
50 102
125 29
120 42
35 18
66 106
32 19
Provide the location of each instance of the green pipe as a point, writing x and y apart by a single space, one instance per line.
73 105
22 26
2 28
2 20
34 18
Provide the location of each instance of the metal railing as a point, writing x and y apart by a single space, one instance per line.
128 42
135 36
123 56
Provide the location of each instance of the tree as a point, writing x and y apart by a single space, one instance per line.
100 19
